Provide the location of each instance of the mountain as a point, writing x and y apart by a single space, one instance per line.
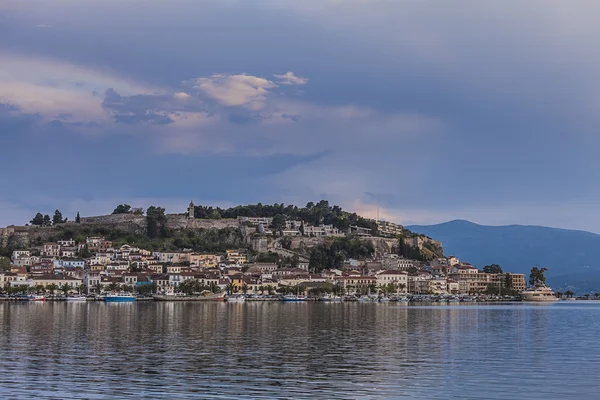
572 257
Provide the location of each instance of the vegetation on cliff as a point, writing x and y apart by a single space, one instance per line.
314 214
333 253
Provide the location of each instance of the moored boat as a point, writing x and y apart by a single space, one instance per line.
293 297
539 293
235 298
36 297
119 298
78 297
331 297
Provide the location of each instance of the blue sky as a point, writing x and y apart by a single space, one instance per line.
429 110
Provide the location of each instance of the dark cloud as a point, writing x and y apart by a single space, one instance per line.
12 119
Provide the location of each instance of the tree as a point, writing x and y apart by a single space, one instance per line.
156 222
37 220
58 218
278 223
114 287
245 288
46 220
536 277
66 288
412 271
53 287
286 242
98 287
78 218
122 209
492 269
231 288
4 264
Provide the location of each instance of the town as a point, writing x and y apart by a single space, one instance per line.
276 257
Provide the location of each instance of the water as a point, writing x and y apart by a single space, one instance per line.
295 350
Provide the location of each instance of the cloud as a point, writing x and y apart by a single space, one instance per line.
239 90
289 78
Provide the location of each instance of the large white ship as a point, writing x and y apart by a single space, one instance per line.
538 293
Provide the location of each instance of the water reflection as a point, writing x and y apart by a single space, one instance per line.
296 350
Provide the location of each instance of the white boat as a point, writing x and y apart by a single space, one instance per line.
36 297
384 299
331 297
365 299
78 297
235 298
539 293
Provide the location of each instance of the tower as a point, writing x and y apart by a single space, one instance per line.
191 210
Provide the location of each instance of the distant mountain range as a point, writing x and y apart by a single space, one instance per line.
572 257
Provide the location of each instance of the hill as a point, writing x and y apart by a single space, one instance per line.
572 257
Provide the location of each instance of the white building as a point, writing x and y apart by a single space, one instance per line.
398 278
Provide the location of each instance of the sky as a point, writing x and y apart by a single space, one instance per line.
426 110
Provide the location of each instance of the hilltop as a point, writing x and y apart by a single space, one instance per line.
260 228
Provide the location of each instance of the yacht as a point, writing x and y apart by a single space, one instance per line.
331 297
77 297
119 298
538 293
235 298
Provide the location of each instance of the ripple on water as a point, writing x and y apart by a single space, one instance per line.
332 351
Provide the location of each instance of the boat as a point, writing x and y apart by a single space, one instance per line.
539 293
78 297
293 297
331 297
235 298
36 297
365 299
119 298
384 299
201 297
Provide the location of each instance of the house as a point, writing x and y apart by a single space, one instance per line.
321 230
51 250
204 260
398 278
73 263
66 252
356 284
157 268
97 244
19 271
394 261
174 269
386 228
66 243
262 268
255 220
235 257
161 280
43 268
58 280
22 262
20 254
360 231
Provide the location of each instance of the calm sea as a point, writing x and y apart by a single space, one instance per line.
288 350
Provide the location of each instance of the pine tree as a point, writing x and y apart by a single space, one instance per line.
77 218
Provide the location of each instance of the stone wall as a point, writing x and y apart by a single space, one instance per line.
178 221
115 219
